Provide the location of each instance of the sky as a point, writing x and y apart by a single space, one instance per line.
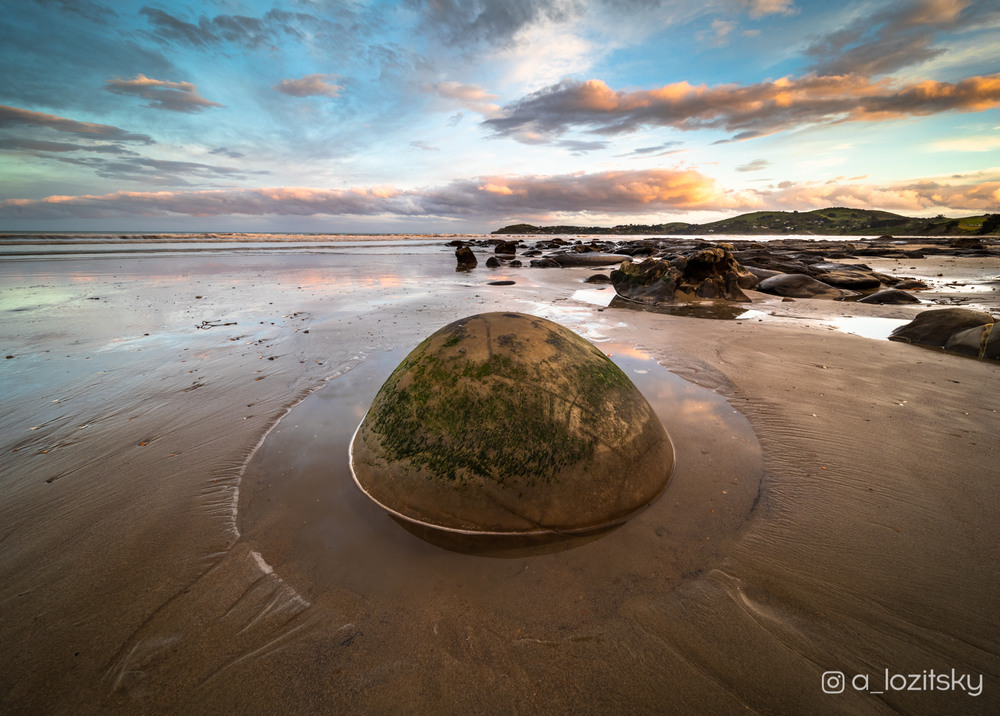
452 116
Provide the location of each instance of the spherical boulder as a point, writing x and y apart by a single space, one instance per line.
509 424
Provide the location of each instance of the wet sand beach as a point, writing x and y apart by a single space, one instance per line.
178 529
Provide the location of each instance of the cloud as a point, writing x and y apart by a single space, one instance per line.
10 116
659 150
252 32
967 144
488 197
900 35
155 171
619 191
83 9
918 196
755 166
469 96
761 8
226 152
315 85
285 201
751 110
163 94
578 147
611 191
466 22
41 145
720 31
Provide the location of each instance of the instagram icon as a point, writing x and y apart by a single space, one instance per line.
833 682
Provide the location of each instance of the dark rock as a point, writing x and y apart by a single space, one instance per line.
979 342
892 296
854 280
457 243
834 266
514 263
761 273
598 278
936 327
707 273
587 259
799 285
544 263
776 263
466 259
501 283
506 247
493 262
909 284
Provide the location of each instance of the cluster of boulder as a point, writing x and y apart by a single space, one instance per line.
679 271
710 272
554 253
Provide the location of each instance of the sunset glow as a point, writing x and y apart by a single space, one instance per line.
421 116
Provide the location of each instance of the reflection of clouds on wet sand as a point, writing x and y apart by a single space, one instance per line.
124 584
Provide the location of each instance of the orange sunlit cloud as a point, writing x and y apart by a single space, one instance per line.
752 110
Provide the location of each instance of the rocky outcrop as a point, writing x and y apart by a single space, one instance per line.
710 273
958 329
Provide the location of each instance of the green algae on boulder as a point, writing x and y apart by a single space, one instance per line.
504 423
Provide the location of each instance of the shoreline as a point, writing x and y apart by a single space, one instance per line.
118 505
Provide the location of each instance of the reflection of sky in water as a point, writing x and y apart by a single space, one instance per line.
868 326
595 296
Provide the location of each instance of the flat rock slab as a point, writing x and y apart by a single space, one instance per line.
504 423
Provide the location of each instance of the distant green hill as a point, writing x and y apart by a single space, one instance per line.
833 221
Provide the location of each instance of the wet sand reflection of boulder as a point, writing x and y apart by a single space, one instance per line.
509 424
